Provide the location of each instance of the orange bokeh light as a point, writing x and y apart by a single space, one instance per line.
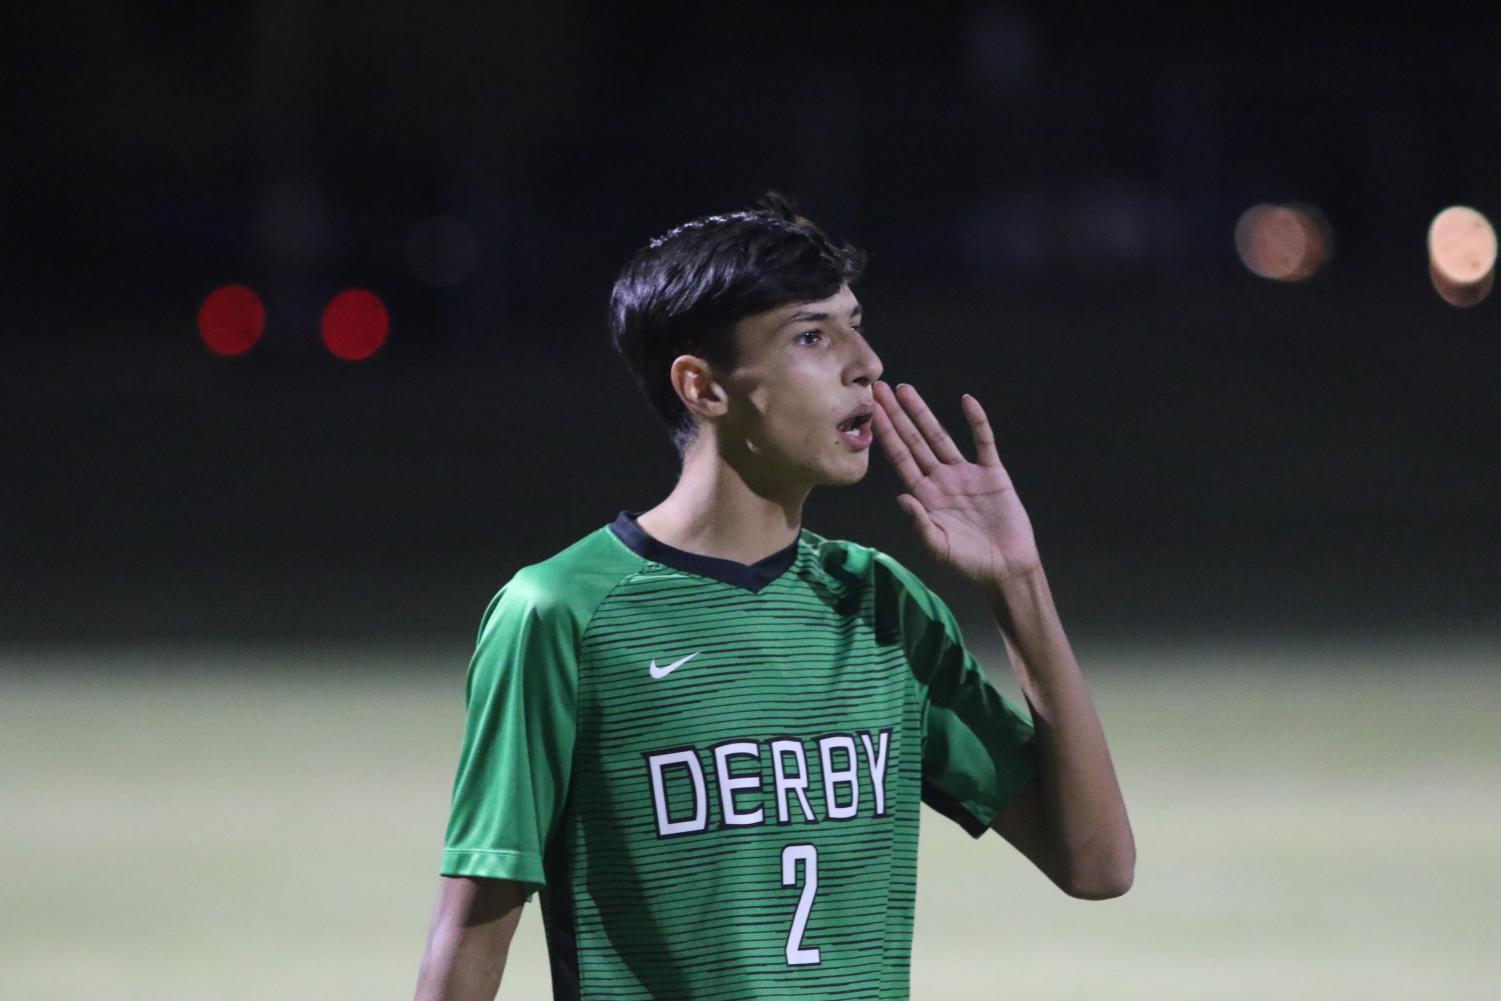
1281 242
1461 255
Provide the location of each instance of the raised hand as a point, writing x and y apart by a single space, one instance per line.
967 513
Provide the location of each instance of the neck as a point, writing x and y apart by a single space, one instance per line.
716 510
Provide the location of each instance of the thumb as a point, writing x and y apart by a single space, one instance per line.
920 520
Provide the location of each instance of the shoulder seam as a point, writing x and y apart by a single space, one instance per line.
896 568
589 623
588 620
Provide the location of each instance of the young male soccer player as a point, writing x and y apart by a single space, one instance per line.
703 730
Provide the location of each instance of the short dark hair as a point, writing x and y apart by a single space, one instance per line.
684 292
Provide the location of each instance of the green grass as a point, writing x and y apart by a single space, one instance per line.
1317 821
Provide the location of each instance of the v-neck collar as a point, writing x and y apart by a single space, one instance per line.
750 576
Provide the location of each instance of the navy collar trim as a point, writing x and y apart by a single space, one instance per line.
751 576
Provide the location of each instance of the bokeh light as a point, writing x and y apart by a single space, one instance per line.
231 320
1461 255
1287 243
355 325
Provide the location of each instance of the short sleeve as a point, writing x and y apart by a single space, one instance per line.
513 771
978 748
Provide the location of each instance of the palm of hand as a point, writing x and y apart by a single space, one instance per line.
967 513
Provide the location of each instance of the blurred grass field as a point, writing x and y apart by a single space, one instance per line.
1314 821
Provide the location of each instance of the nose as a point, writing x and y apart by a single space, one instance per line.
866 364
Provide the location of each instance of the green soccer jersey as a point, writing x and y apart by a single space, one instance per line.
712 770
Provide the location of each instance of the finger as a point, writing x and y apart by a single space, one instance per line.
979 426
932 431
922 454
891 443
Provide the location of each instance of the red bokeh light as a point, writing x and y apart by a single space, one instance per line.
231 320
355 325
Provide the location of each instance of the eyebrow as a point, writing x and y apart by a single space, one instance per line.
804 316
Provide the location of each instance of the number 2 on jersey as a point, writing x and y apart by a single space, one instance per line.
808 855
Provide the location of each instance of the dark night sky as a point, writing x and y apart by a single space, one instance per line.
1048 193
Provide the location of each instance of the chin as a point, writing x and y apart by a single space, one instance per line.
849 475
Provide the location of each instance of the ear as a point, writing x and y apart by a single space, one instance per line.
693 378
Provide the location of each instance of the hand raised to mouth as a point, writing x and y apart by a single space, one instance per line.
967 513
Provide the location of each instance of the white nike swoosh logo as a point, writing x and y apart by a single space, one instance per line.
662 672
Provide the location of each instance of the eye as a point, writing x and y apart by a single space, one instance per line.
809 333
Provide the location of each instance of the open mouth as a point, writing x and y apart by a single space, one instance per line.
854 424
856 430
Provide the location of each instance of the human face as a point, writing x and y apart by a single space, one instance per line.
803 368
